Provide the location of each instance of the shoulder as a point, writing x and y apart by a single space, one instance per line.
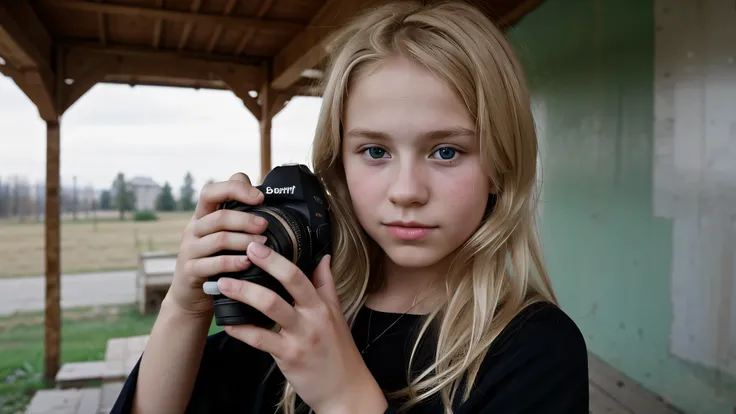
544 332
537 364
542 328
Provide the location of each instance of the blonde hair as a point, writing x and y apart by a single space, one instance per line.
499 270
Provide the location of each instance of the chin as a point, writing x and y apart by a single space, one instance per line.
413 256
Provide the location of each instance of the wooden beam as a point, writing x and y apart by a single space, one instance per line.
279 103
144 51
307 48
264 96
101 27
90 66
252 31
196 4
157 26
26 47
172 15
218 30
52 321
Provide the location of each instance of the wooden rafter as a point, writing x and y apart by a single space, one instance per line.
157 26
194 8
101 26
26 47
218 30
251 31
88 66
172 15
307 48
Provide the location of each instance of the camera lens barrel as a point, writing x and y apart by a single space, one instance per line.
286 235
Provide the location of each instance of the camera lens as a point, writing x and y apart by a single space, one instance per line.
288 236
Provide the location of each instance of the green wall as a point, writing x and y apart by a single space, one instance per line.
590 65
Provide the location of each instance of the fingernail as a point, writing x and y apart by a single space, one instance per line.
254 192
261 239
258 250
225 284
260 221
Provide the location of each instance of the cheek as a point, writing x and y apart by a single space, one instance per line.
364 192
467 197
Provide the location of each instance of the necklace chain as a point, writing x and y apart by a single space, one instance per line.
389 327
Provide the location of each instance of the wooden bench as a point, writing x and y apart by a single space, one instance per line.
153 279
98 400
121 356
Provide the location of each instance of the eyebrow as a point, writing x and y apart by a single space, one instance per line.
430 135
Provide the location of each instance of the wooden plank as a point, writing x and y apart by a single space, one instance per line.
90 401
235 23
602 403
109 395
54 401
624 390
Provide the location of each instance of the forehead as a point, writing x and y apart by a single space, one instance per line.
400 97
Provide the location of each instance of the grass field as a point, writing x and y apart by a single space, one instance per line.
86 245
84 336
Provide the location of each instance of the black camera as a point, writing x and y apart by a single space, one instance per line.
299 229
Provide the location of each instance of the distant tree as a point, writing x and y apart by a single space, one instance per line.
105 201
186 199
124 196
3 200
165 201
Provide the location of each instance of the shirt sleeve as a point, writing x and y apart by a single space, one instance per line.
209 385
541 367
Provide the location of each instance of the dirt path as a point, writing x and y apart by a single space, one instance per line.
89 289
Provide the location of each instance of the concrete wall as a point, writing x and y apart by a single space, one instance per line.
627 253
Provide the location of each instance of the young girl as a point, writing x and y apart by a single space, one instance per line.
435 299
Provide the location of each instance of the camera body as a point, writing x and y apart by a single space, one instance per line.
299 229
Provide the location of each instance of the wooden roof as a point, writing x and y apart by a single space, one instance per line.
56 50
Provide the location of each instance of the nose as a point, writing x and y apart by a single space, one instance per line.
410 187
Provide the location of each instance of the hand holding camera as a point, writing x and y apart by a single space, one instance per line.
210 231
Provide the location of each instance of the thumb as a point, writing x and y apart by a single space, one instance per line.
323 281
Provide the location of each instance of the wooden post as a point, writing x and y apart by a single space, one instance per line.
52 336
265 121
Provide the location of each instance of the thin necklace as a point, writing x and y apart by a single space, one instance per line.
389 327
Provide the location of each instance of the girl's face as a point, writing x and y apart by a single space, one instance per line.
412 163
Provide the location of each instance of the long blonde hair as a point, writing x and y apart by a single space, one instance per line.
499 269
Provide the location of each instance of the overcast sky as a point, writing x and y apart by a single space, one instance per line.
149 131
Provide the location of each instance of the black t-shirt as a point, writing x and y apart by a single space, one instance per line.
537 365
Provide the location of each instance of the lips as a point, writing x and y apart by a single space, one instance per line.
408 230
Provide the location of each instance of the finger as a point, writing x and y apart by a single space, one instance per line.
261 298
286 272
239 176
214 194
222 240
229 220
211 266
324 282
259 338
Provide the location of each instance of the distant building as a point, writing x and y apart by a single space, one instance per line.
146 192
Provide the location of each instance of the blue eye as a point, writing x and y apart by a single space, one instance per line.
376 152
446 153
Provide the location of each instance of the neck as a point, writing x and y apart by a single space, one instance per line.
408 289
